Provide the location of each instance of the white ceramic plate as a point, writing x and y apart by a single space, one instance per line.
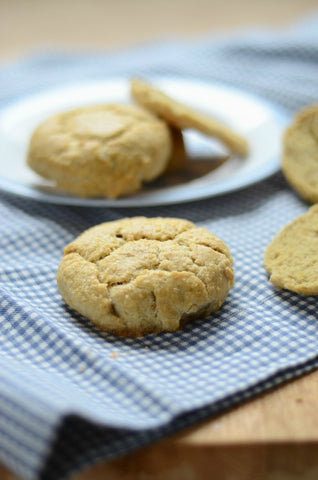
260 122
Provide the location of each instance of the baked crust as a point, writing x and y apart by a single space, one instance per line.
178 159
140 275
300 154
183 117
101 151
292 257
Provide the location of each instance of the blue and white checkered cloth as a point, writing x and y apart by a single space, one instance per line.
65 400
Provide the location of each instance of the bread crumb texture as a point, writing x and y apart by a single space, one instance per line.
292 257
137 276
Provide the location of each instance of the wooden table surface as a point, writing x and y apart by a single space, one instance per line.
272 437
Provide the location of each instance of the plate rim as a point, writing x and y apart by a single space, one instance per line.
145 199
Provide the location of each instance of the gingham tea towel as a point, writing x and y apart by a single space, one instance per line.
71 395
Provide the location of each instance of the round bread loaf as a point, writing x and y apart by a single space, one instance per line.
101 151
140 275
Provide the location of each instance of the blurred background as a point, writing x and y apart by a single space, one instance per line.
29 25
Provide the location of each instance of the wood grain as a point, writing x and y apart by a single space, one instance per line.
273 437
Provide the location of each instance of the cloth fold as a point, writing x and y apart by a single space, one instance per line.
71 395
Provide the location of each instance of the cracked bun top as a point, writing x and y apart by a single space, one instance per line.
137 276
101 150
